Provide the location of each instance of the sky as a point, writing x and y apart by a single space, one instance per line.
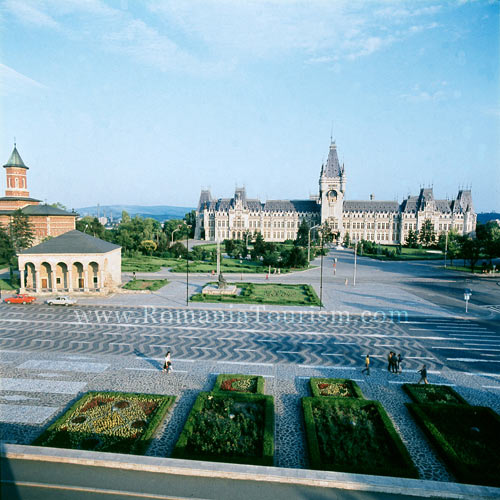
147 102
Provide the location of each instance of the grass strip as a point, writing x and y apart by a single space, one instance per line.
151 285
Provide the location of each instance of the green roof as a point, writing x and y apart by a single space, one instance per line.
72 242
15 160
45 210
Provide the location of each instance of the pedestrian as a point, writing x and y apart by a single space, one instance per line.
367 365
167 365
399 365
389 361
423 375
394 367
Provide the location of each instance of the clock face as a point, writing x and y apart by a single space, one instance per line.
332 195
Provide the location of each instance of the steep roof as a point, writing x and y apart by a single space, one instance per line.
332 167
291 206
371 206
73 242
15 160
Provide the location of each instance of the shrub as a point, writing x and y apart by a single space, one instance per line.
239 383
237 429
431 393
353 435
466 437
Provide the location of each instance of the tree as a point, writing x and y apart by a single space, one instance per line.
489 235
59 205
271 259
149 246
178 250
454 244
297 257
20 231
412 239
6 248
125 217
427 235
347 240
91 225
303 234
259 247
190 220
471 250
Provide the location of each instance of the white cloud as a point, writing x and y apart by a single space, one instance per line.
30 13
433 93
212 35
13 82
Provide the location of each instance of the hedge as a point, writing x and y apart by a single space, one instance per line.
181 449
353 386
227 376
431 393
136 446
466 437
397 462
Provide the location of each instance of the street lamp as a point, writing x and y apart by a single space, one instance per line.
321 275
178 227
309 243
355 263
445 248
187 264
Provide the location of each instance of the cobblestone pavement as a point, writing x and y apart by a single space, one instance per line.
37 387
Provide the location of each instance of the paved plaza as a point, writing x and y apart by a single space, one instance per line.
50 356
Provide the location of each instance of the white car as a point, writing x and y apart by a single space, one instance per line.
61 301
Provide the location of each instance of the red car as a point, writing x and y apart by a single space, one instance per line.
20 298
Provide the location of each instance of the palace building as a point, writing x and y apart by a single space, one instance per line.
384 222
44 219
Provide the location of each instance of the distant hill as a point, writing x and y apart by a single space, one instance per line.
484 217
158 212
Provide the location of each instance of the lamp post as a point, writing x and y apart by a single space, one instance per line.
355 262
467 295
309 243
187 265
445 248
178 227
321 275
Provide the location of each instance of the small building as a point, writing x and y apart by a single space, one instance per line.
71 262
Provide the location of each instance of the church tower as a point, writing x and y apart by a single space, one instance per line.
15 170
331 191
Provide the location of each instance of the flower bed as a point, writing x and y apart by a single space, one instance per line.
335 387
466 437
236 428
114 422
250 384
430 393
354 435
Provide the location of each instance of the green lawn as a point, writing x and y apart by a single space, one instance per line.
150 285
145 264
465 269
407 254
5 285
277 294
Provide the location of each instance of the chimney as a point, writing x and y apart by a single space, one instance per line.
372 197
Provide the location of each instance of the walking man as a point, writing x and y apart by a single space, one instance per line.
367 365
399 366
389 361
423 375
167 365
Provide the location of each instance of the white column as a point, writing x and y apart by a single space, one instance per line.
36 277
85 280
53 279
70 277
21 277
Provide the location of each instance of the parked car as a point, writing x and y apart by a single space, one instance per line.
62 300
20 298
